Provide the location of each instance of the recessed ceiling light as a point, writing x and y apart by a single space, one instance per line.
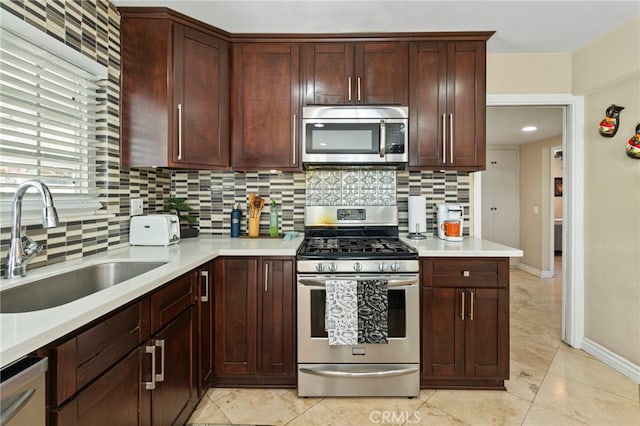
529 128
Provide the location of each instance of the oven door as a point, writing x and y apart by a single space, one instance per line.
403 323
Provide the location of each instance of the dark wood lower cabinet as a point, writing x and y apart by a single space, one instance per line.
115 398
254 321
465 330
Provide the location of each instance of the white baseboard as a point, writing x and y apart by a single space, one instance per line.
613 360
535 271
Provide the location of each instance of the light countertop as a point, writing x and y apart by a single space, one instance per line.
468 247
23 333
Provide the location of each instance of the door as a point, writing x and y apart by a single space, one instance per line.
173 397
500 195
442 332
277 318
487 333
201 84
265 106
236 307
118 394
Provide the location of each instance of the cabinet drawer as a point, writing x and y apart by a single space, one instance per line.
83 358
168 302
466 273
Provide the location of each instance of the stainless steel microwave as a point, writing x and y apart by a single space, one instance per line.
355 135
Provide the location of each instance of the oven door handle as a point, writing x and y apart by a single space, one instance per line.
390 283
360 375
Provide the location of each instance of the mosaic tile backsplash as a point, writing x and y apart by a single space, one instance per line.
92 28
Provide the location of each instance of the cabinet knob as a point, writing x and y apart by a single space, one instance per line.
466 273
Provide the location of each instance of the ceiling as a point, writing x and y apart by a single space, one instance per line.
521 26
504 124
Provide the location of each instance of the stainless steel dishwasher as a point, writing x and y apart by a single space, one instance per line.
22 392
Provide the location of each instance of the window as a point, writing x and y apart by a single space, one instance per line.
48 122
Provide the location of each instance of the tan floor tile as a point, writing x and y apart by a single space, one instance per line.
539 333
482 407
425 394
524 380
531 352
216 393
585 403
540 416
318 415
590 371
432 416
208 412
263 406
364 411
536 316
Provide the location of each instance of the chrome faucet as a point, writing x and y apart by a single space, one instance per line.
19 255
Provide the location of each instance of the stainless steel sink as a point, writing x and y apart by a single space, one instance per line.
69 286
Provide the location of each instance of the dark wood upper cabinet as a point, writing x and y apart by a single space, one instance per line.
174 93
368 73
265 106
447 105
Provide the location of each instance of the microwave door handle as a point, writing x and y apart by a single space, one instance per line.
383 137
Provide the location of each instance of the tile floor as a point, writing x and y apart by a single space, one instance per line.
551 384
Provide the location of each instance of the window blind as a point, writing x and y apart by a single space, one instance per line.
48 120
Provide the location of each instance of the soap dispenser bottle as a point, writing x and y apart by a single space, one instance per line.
273 220
236 216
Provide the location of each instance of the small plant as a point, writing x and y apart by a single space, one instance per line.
179 206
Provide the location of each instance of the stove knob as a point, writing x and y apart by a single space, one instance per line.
382 267
357 266
395 266
319 267
333 267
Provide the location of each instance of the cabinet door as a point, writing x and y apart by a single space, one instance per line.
328 73
381 76
427 110
442 332
277 308
487 333
466 105
117 397
205 328
200 98
236 320
174 396
265 106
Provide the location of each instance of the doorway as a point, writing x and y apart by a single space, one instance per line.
573 205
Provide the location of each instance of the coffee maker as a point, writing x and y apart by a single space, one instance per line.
450 221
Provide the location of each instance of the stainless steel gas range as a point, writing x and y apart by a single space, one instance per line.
357 248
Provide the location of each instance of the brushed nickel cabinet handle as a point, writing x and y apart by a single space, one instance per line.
444 138
359 91
349 89
451 137
205 296
152 384
266 277
179 131
294 138
462 306
471 294
383 137
160 344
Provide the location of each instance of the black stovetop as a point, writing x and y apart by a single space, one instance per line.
352 243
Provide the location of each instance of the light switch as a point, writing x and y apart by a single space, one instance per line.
136 206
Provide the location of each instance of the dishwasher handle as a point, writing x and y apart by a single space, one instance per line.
13 405
19 382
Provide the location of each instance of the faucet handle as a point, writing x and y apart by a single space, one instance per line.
31 248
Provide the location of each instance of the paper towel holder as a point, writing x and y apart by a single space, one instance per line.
417 235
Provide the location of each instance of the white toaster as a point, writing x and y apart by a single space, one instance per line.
154 230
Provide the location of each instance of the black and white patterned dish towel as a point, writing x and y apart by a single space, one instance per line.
341 312
373 309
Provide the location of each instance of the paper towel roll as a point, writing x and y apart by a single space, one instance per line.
417 214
